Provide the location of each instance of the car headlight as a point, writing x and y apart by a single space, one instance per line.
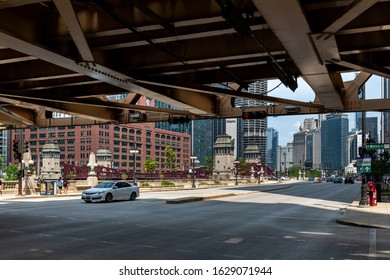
100 192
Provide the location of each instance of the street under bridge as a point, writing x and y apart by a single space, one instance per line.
198 56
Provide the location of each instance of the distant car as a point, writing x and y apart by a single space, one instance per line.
110 191
338 180
330 179
349 180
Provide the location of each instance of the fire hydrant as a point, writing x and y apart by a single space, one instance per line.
372 194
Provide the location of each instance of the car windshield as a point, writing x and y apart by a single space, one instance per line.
105 185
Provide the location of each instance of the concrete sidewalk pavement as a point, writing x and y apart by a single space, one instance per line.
372 216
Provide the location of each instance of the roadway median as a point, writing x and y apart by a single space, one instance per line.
197 198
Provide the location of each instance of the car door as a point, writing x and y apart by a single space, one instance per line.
123 190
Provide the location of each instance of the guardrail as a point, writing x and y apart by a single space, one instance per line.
10 185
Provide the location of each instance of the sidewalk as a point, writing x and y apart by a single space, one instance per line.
372 216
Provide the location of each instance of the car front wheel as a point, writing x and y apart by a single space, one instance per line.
108 197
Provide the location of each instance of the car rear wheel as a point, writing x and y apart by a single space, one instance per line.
108 197
133 196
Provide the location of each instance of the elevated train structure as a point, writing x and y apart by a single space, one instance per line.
69 56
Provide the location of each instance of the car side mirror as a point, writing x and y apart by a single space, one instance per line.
115 187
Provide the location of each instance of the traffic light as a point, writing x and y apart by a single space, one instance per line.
25 147
254 115
362 151
15 148
178 120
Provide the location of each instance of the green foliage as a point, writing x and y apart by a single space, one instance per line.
167 183
243 167
217 182
209 164
313 173
145 185
380 164
294 171
11 172
150 165
170 159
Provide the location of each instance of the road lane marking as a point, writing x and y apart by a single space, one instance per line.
372 242
44 234
147 246
315 233
76 238
108 242
234 240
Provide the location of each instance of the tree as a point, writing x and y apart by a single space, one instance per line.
150 165
11 172
244 167
294 171
170 158
209 165
380 165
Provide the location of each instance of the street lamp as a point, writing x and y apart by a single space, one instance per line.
236 162
193 159
133 152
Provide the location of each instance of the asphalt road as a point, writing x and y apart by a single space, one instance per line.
294 222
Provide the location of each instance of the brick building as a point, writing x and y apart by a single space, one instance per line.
77 142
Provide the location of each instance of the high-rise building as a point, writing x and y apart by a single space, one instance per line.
354 142
299 148
313 149
285 158
334 142
272 147
372 128
385 121
202 136
5 148
307 145
181 128
255 131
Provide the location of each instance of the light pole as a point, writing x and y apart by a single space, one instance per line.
133 152
193 159
236 162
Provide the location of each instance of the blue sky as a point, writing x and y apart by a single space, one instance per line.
288 125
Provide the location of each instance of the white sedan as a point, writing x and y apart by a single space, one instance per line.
111 190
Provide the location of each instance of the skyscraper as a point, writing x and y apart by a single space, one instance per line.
255 131
272 147
334 142
385 122
202 136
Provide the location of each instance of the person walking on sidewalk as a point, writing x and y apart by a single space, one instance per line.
65 185
1 187
60 184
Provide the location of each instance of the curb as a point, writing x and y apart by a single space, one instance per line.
356 224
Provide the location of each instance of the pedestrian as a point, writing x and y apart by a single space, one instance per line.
60 184
39 182
1 187
65 184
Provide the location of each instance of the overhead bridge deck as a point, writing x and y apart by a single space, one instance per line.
199 56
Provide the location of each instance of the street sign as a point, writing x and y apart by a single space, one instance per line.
378 146
365 169
364 164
